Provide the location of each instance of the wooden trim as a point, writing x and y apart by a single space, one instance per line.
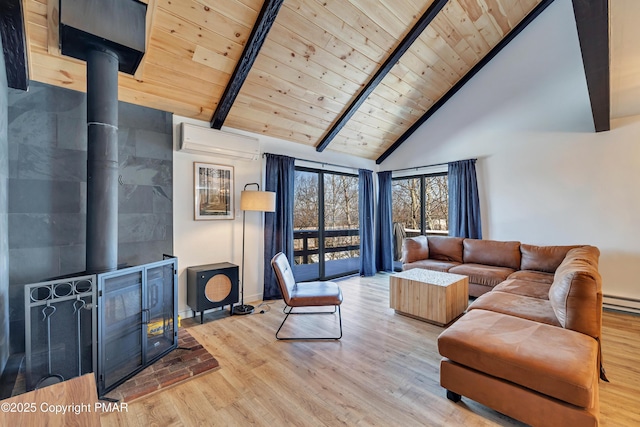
592 22
258 35
53 27
151 13
406 43
14 44
455 88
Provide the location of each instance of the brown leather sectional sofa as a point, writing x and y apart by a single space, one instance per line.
487 263
530 348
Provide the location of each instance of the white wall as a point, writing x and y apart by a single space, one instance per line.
207 242
545 177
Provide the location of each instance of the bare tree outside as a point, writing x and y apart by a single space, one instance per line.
341 213
341 223
305 213
305 216
436 201
408 201
341 219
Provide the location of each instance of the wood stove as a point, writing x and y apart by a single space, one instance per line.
137 306
114 324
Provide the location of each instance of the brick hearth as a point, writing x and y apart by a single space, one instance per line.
189 360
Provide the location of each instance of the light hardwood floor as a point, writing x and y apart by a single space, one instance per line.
383 372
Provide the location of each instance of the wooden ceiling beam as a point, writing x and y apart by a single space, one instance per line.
14 43
592 22
476 68
266 18
389 63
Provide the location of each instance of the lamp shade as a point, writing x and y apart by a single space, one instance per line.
263 201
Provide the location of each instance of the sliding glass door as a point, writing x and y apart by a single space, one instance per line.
326 229
306 226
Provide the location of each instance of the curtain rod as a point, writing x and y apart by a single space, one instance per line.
320 163
352 168
426 166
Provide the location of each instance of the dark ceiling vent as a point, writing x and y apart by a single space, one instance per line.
115 25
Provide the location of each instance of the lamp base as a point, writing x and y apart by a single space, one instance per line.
243 309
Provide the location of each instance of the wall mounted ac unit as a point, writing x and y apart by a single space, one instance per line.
213 142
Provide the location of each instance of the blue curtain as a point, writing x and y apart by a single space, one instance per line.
464 204
278 225
384 226
365 206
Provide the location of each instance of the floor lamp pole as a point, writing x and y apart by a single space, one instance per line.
242 308
259 201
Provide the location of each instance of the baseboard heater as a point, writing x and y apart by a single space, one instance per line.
628 305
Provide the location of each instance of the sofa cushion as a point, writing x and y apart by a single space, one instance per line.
476 290
445 248
576 292
492 252
535 309
414 249
532 276
482 274
431 264
526 288
543 258
588 254
553 361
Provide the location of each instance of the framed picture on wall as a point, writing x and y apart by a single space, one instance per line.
213 191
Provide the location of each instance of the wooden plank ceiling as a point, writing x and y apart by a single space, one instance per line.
318 56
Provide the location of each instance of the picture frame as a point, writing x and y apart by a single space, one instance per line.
213 191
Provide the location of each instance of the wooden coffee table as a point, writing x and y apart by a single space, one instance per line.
429 295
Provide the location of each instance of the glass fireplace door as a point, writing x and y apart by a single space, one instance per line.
137 320
160 308
119 325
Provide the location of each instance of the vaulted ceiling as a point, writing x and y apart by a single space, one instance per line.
354 76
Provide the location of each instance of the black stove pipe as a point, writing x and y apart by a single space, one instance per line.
110 36
102 161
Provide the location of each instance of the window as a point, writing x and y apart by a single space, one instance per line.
421 204
325 224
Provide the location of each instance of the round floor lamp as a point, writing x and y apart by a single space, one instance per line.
259 201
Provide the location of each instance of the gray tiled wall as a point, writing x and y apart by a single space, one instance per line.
47 188
4 248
